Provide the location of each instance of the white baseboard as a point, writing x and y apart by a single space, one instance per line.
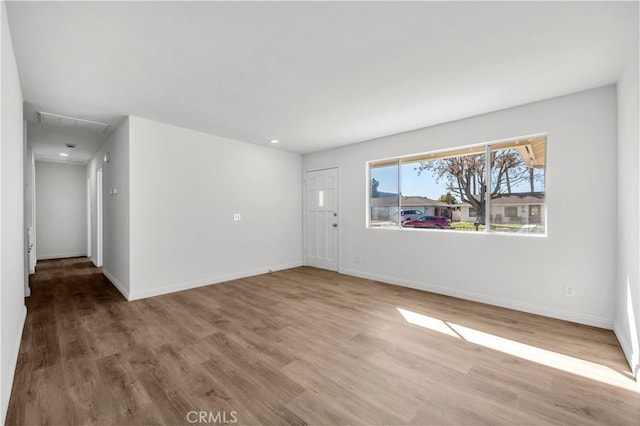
12 361
491 300
627 349
94 261
117 284
62 255
171 288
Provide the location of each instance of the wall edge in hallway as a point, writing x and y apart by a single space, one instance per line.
8 381
495 301
117 284
62 255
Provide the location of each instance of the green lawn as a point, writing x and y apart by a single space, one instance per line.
496 227
465 226
506 227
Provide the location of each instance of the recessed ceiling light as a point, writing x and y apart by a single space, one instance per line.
63 154
274 141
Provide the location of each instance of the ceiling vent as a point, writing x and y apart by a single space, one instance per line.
71 122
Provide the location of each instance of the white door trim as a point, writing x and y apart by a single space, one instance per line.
89 217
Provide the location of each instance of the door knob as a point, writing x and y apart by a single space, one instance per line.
335 225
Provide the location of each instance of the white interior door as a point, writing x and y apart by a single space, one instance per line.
27 212
99 218
33 241
321 219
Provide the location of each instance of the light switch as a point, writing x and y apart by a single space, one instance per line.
237 217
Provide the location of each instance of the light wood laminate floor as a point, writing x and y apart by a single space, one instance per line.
305 346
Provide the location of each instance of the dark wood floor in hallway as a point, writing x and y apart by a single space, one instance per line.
304 346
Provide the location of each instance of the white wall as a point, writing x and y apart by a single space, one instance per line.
61 216
12 271
627 324
115 175
525 273
185 188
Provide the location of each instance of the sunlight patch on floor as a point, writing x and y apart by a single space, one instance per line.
569 364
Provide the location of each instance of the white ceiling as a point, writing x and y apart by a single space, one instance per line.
49 141
314 75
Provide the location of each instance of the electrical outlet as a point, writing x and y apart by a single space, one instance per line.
237 217
358 258
569 291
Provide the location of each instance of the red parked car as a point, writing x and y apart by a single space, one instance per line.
435 222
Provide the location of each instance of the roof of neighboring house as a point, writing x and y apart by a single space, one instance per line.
411 201
518 199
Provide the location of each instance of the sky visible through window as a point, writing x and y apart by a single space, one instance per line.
412 184
423 185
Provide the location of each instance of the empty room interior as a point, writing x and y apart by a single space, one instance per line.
329 213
